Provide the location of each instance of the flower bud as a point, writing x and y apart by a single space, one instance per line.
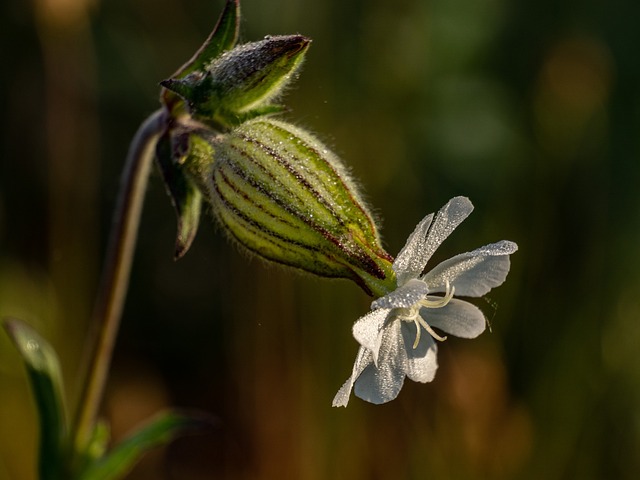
284 196
242 80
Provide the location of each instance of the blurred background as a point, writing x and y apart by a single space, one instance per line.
530 108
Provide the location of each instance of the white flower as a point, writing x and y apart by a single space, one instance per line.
392 344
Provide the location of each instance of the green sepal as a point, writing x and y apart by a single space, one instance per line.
185 196
223 37
43 369
158 431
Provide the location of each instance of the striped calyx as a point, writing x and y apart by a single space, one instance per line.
284 196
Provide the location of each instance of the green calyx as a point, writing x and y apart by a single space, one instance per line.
284 196
243 82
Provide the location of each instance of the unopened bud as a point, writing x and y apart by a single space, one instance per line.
286 197
243 79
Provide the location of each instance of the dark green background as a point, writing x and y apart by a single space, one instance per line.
530 108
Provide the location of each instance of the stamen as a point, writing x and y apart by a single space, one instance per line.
417 340
441 302
428 328
412 314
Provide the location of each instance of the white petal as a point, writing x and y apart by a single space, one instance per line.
457 317
474 273
368 330
410 262
446 221
422 361
404 296
363 359
382 384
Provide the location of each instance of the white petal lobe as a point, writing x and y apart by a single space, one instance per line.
382 384
473 274
459 318
404 296
422 361
446 221
412 259
367 330
363 359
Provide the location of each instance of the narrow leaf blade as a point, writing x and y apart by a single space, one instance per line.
223 37
43 369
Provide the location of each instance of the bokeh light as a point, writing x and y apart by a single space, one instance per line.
531 109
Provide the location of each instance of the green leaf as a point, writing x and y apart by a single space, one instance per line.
223 37
43 369
159 431
185 195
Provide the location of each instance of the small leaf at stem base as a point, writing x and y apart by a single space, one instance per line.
158 431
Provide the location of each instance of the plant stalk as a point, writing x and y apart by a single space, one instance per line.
115 276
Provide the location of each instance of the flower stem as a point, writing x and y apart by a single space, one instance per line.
115 276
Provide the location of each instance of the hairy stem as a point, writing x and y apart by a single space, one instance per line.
115 279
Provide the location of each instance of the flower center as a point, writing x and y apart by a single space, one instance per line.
412 313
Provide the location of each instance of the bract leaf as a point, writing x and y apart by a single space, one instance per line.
43 369
185 195
223 37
